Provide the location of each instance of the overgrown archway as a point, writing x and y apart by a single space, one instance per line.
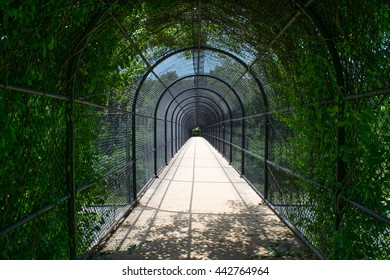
310 135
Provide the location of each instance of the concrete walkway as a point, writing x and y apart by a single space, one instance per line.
200 208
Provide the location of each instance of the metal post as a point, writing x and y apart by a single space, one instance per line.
243 147
231 142
224 138
128 160
177 137
70 173
155 147
134 155
172 136
166 141
180 137
340 165
220 135
214 136
266 153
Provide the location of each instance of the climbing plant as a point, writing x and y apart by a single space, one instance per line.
99 50
33 127
312 92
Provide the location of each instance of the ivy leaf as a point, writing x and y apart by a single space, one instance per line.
51 44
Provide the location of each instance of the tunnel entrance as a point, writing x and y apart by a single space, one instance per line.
196 131
98 100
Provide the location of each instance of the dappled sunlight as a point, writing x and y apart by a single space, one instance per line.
190 216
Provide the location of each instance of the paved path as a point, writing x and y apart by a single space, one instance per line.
200 208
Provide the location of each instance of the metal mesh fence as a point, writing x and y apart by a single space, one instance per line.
104 167
299 194
294 95
145 150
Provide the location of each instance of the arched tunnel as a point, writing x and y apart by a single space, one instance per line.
97 97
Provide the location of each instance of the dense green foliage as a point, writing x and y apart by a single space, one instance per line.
36 49
99 50
196 131
364 55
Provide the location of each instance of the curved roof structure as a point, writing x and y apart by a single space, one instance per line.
294 93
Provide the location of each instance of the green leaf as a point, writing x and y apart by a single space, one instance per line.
51 44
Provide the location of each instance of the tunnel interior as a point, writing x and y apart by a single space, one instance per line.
97 100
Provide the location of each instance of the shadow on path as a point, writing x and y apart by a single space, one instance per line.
200 208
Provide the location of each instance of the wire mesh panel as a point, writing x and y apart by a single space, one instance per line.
281 150
103 172
255 133
169 141
161 144
254 171
250 95
228 136
255 137
237 136
219 136
145 150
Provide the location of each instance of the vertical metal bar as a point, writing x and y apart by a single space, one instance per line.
70 173
172 138
334 55
266 154
134 154
183 135
166 141
177 137
231 142
224 138
214 135
128 160
180 137
243 147
155 147
220 136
